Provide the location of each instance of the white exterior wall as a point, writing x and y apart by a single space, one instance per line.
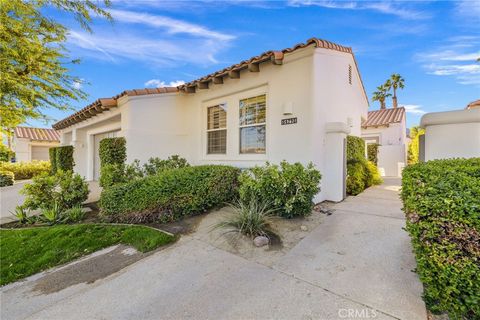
23 148
313 82
452 134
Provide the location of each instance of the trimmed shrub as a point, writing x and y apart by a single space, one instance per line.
372 152
441 201
26 170
6 154
156 165
6 178
113 154
64 158
356 178
52 154
170 195
288 188
372 175
64 189
355 148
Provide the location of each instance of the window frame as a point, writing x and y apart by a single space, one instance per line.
217 129
240 126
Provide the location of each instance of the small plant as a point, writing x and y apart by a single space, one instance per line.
251 218
75 214
21 214
51 215
6 178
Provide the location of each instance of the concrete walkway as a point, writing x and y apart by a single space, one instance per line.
357 262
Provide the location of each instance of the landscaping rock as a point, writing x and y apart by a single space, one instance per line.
304 228
260 241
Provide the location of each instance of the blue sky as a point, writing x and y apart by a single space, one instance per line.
432 44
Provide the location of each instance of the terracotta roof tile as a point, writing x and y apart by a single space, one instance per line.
474 104
37 134
384 117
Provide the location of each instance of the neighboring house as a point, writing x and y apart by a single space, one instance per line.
33 143
387 127
297 104
451 134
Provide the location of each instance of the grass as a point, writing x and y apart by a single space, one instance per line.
24 252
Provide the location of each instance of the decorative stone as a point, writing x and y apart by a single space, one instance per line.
304 228
260 241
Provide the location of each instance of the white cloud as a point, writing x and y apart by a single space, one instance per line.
157 41
414 109
468 9
383 7
77 84
171 26
158 83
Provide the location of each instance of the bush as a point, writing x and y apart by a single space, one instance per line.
441 201
372 152
52 154
6 178
288 188
156 165
26 170
6 154
113 154
65 189
75 214
356 178
171 194
64 158
251 218
355 148
372 175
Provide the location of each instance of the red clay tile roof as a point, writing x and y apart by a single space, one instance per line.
37 134
384 117
276 57
474 104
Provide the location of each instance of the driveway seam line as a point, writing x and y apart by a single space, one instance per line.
366 213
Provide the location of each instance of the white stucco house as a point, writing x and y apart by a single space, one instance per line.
388 128
33 143
451 134
296 104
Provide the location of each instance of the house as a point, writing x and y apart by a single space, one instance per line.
296 104
387 127
451 134
33 143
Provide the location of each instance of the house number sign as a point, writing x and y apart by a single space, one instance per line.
289 121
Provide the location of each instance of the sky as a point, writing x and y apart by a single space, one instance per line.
432 44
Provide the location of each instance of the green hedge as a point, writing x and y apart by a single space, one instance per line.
63 159
288 188
113 154
52 154
372 152
171 194
441 200
26 170
361 173
355 148
6 154
6 178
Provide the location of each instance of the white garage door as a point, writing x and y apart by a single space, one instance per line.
40 153
96 160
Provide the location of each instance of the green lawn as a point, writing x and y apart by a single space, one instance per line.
24 252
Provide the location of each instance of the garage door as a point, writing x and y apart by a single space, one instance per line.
40 153
96 161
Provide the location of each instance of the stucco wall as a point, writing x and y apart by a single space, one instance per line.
452 134
23 148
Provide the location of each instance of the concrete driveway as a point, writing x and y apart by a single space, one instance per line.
357 264
10 197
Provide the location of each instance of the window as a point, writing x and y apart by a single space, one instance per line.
217 130
349 74
253 112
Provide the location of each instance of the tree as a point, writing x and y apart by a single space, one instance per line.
395 82
33 58
381 95
413 147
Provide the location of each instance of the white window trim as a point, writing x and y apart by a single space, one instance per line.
217 129
257 156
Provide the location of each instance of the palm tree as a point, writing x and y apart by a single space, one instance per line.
395 82
381 95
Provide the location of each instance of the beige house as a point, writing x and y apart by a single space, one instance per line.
387 127
33 143
295 104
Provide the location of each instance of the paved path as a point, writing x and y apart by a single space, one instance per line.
357 262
